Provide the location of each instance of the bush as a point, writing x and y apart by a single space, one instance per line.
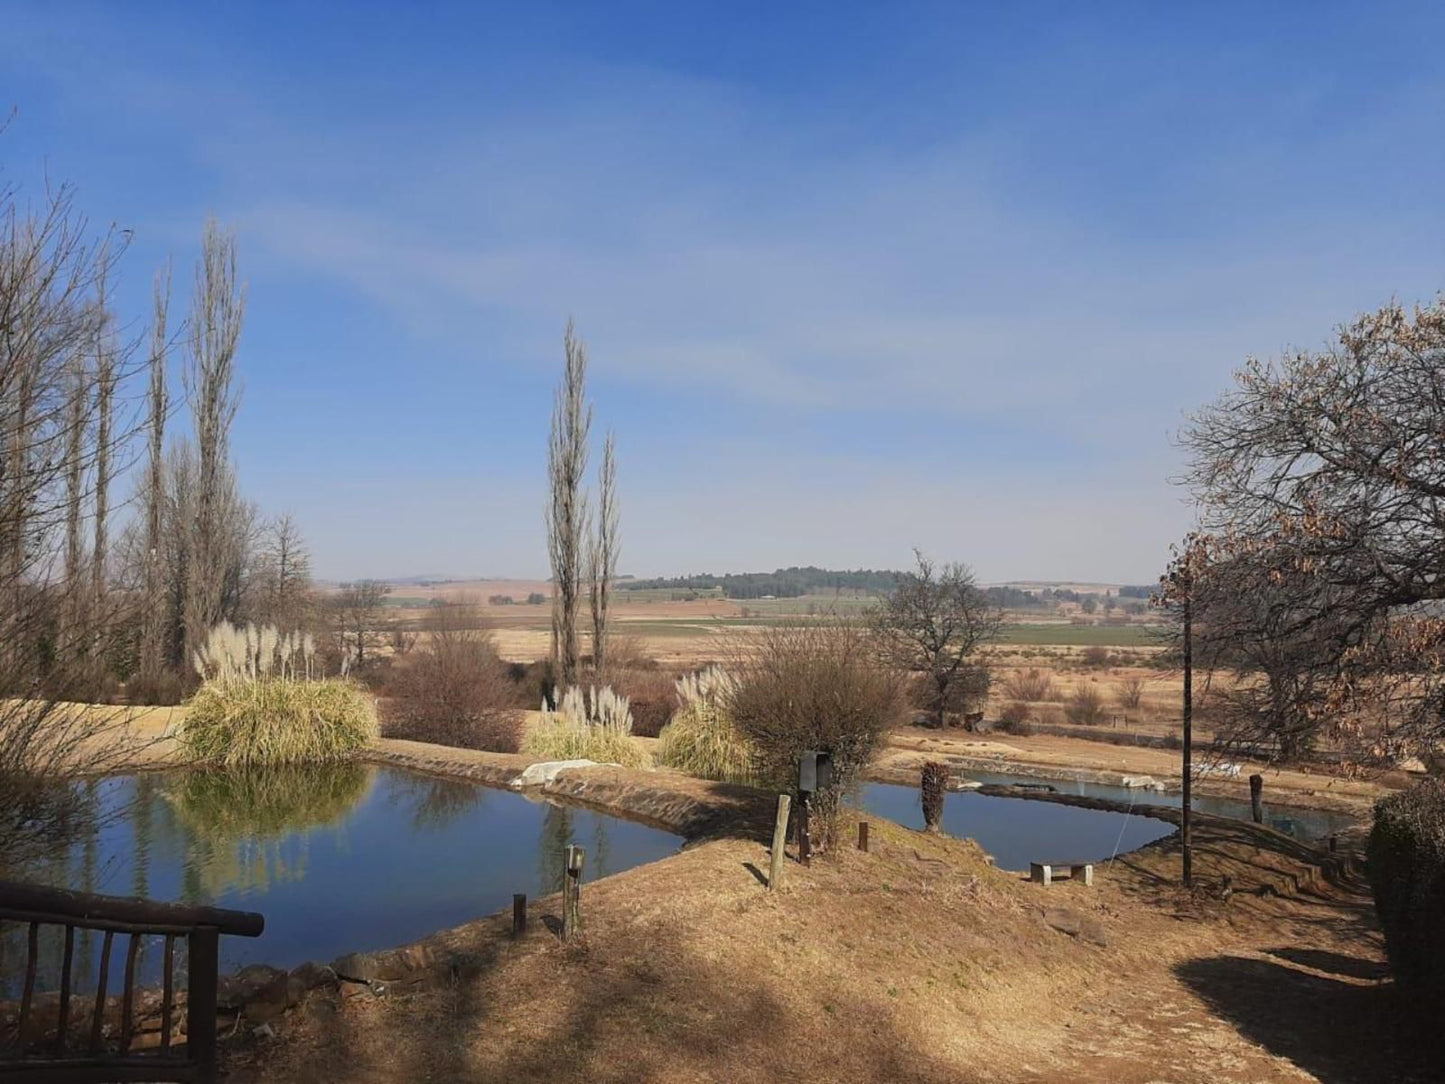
1031 685
1130 693
815 685
702 739
1085 707
1407 873
652 697
1015 720
578 730
245 722
454 690
1096 656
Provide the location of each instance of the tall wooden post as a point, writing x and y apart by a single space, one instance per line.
1185 834
572 892
780 842
1256 797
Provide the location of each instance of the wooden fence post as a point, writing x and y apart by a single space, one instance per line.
805 832
863 836
202 949
572 893
519 913
1256 797
780 842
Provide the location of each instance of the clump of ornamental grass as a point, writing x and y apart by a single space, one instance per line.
257 707
702 739
593 726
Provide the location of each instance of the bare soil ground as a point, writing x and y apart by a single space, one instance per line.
915 962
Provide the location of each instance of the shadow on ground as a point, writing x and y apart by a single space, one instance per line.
1341 1030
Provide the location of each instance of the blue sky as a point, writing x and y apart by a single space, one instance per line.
854 278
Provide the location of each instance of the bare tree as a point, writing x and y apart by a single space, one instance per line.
152 619
215 329
282 593
1328 466
933 622
566 515
49 268
105 380
602 557
77 392
358 607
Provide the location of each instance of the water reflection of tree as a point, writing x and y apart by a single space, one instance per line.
247 830
552 846
434 803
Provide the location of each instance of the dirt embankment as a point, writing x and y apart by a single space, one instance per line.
917 961
1049 757
692 808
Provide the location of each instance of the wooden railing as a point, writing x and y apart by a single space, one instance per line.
77 1054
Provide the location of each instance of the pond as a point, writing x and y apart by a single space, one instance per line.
1305 824
1017 831
344 858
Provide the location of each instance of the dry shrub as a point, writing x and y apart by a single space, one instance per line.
652 695
815 685
1032 685
702 738
1096 656
253 722
582 727
1015 720
1130 693
933 789
1407 873
454 689
1085 707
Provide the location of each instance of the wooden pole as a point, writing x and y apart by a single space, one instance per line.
805 837
519 913
202 950
1186 837
572 893
863 836
780 840
1256 798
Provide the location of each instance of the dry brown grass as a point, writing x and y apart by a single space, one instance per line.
915 962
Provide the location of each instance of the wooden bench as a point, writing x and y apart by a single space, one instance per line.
1044 872
37 1051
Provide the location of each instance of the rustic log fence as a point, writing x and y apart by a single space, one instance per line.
29 1053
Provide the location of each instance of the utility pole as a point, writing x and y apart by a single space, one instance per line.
1188 843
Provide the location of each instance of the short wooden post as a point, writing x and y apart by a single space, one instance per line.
780 841
519 913
863 836
805 835
1256 798
572 893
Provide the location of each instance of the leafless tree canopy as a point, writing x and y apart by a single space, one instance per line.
567 509
933 623
1325 473
215 329
357 612
602 557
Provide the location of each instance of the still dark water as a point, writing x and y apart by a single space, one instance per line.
1018 831
341 859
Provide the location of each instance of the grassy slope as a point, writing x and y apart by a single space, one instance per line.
917 961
